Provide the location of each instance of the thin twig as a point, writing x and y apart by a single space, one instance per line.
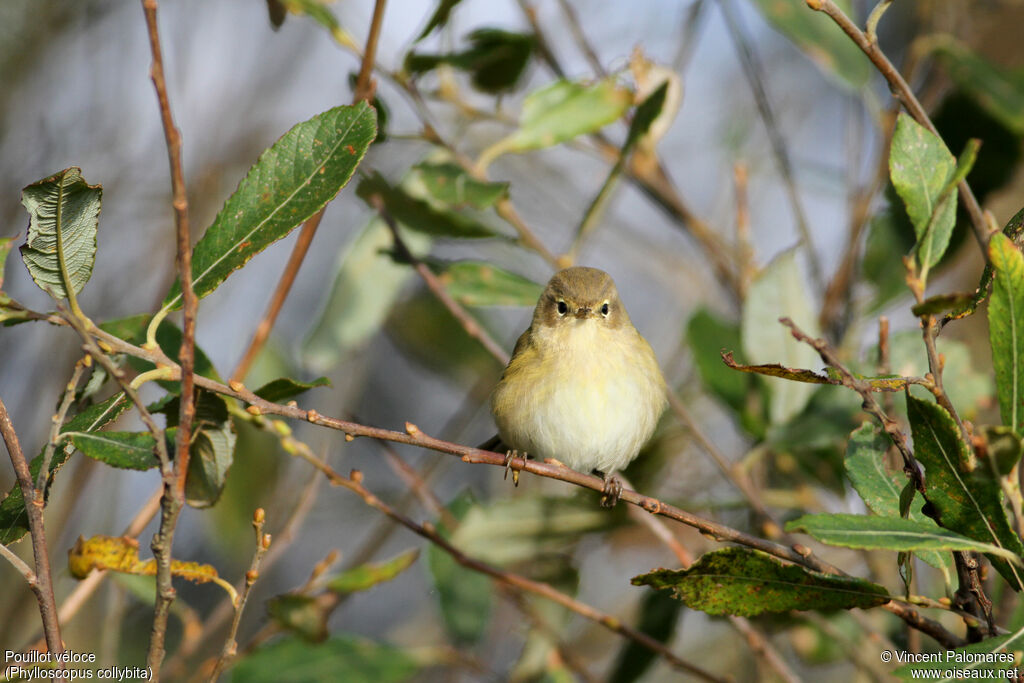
262 546
754 72
364 90
173 480
57 421
901 90
33 499
472 327
282 540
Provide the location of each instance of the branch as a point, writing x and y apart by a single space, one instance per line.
43 585
173 480
262 546
901 90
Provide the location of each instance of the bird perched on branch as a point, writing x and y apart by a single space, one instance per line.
583 387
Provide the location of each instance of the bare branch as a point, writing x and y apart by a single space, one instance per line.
43 585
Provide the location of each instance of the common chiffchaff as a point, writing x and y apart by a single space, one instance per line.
582 387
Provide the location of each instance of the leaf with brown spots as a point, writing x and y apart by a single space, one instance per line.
290 182
746 583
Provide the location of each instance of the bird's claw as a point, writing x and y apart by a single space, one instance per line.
611 491
509 457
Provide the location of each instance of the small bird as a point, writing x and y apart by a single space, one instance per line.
582 387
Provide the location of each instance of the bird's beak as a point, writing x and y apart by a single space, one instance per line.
582 313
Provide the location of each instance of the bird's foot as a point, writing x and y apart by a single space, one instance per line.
509 457
611 491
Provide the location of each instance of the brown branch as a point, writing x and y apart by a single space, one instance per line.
472 327
364 91
34 502
173 481
262 546
901 90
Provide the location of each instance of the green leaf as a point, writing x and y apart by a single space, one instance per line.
920 167
368 575
473 283
870 532
132 329
438 18
658 616
302 615
779 291
417 214
996 90
449 184
882 491
291 659
64 214
560 112
13 518
466 597
127 450
821 40
1006 329
968 503
366 286
746 583
993 654
290 182
284 388
495 60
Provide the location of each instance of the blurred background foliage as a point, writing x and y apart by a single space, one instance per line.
76 92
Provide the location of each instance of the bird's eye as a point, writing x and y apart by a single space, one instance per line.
604 309
562 308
